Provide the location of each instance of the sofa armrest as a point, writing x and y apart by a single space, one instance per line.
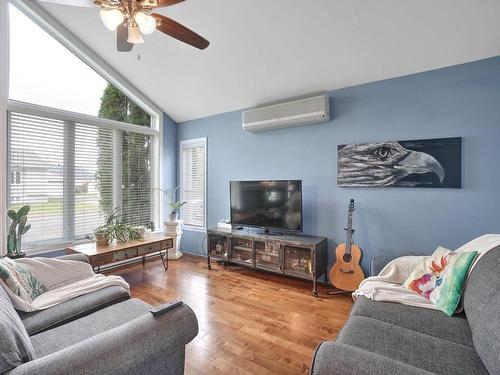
378 262
141 346
339 359
80 257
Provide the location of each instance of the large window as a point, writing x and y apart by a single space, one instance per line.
193 159
77 146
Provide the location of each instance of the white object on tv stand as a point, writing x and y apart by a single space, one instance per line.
174 229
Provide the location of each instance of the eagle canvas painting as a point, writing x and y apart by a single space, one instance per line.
432 163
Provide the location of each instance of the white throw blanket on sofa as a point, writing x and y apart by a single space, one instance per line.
64 280
387 285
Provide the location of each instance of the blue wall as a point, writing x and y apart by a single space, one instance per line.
458 101
169 155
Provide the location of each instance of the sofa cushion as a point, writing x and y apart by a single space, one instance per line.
78 330
430 322
334 358
413 348
15 345
487 341
482 307
483 284
39 321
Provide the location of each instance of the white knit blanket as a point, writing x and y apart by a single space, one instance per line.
64 280
387 285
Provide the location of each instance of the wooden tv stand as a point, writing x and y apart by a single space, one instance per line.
298 256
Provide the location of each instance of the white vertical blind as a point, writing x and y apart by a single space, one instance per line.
193 182
65 172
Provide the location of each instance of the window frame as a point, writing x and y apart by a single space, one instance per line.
190 143
69 40
4 94
69 117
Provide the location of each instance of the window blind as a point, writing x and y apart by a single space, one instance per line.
35 169
193 182
72 175
93 185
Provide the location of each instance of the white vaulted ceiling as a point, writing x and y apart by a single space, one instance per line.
266 50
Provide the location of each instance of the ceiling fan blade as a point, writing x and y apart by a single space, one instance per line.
179 32
121 39
167 3
76 3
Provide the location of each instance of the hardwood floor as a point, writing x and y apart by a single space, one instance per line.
250 322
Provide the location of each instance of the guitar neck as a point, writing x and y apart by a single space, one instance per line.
349 233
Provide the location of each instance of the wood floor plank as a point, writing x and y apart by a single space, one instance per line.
250 322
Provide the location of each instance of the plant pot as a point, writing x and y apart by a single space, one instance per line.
17 256
173 216
102 240
141 232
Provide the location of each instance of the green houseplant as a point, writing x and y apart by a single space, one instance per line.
104 234
174 204
17 229
125 233
114 229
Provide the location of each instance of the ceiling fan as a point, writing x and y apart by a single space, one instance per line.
133 18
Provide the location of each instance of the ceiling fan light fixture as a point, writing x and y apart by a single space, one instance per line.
111 18
134 35
147 23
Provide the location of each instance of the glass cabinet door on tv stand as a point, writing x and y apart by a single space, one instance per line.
241 251
268 255
299 261
218 247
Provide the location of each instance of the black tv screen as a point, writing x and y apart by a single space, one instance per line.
267 204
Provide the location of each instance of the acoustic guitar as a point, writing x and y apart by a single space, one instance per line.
346 274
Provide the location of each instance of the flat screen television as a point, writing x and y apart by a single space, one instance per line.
267 204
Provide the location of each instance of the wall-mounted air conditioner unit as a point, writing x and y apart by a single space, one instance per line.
308 111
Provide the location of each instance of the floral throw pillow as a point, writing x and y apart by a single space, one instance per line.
20 280
440 278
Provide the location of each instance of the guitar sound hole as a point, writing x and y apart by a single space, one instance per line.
347 258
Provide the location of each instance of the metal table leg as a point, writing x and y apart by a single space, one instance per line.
313 259
164 260
208 256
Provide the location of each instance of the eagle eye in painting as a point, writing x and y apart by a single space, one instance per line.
435 163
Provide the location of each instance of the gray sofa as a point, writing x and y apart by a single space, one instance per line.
105 332
389 338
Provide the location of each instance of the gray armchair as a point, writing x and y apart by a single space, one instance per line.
97 344
104 332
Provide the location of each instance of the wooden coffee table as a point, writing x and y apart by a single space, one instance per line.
120 251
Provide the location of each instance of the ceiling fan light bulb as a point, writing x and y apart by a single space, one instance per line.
147 23
134 35
111 18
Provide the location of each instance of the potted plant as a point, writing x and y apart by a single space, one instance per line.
125 233
104 234
17 229
173 203
150 227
